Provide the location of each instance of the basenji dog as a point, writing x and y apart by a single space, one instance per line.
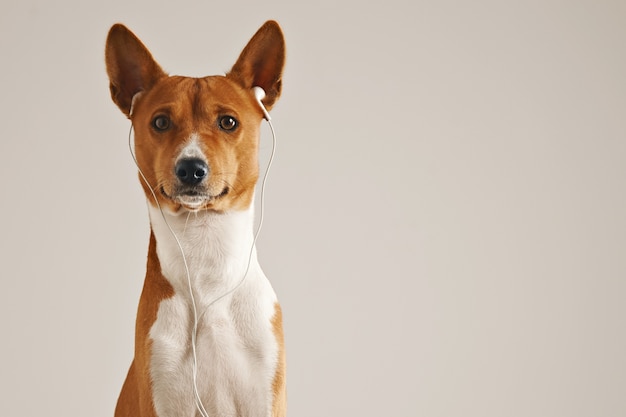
208 338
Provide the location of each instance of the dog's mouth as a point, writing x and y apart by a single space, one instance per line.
194 198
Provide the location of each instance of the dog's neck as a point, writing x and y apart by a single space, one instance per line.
217 248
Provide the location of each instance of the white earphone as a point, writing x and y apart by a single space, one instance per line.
259 94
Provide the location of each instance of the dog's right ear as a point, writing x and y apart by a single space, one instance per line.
130 67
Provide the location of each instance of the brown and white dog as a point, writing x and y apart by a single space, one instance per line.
196 143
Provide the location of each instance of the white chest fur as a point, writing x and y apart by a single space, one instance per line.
236 347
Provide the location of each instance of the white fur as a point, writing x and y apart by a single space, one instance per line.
192 148
236 347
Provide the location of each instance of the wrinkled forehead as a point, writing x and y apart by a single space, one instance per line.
196 97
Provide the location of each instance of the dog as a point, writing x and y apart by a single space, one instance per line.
209 337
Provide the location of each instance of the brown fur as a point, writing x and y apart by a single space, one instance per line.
136 396
279 384
142 91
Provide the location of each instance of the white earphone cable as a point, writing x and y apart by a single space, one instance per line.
196 317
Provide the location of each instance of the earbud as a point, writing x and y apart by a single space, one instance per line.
259 94
132 103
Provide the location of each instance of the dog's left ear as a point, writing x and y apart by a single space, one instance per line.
261 62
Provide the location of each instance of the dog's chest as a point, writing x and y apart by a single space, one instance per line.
236 349
236 355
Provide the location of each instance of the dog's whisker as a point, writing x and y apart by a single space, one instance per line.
186 222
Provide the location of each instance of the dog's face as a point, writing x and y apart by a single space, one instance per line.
196 139
196 143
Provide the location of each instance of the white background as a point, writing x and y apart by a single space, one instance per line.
445 226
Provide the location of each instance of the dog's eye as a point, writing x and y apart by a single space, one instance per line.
161 123
228 123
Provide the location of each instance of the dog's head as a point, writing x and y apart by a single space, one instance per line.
196 139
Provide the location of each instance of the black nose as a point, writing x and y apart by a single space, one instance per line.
191 171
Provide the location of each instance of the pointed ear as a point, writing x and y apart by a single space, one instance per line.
130 67
261 62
